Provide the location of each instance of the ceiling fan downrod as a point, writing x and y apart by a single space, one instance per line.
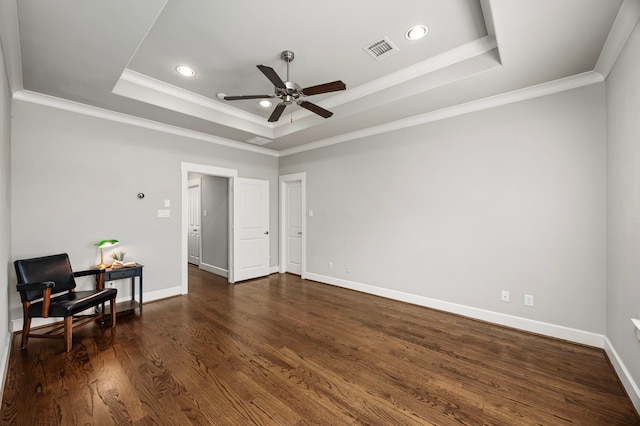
287 56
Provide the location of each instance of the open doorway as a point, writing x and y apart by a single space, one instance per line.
214 178
208 233
248 234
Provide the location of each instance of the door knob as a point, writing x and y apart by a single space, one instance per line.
299 233
266 233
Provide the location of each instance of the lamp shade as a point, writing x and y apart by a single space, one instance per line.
107 243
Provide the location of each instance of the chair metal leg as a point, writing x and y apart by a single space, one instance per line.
68 332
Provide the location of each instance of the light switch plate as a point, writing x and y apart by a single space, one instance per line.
164 213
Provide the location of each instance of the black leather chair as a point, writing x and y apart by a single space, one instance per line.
51 279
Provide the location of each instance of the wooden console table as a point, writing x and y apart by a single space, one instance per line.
121 274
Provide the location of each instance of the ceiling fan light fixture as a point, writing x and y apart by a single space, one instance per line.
416 32
186 71
265 103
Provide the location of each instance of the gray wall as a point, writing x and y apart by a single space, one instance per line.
623 203
511 198
75 180
5 213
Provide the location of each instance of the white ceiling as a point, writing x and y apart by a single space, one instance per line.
120 55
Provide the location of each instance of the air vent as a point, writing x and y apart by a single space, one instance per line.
381 49
259 140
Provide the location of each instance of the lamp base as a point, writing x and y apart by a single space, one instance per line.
101 265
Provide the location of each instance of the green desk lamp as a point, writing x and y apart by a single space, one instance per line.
102 244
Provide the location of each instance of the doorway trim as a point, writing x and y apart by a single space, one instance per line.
204 169
283 180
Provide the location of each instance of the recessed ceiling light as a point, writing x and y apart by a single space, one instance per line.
221 95
416 33
186 71
265 103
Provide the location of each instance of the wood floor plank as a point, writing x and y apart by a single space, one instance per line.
285 351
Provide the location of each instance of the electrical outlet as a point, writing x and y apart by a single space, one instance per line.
330 265
504 296
348 268
528 300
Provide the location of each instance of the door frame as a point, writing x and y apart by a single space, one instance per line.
283 181
187 168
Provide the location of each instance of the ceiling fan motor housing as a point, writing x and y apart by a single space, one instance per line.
290 93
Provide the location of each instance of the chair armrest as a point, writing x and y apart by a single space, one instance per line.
88 272
45 286
99 273
35 286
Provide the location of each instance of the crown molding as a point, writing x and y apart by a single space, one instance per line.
544 89
155 85
10 44
624 24
79 108
531 92
145 89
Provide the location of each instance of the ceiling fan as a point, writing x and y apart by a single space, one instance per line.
289 92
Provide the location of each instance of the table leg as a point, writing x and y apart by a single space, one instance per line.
140 282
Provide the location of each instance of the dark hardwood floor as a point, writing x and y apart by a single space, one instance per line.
284 351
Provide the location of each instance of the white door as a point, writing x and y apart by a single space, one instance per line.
194 240
292 221
250 228
293 226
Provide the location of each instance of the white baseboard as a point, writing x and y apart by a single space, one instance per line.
225 273
215 270
4 362
557 331
623 374
16 324
162 294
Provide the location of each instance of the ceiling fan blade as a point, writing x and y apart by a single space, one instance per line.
237 98
272 76
275 115
315 108
334 86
